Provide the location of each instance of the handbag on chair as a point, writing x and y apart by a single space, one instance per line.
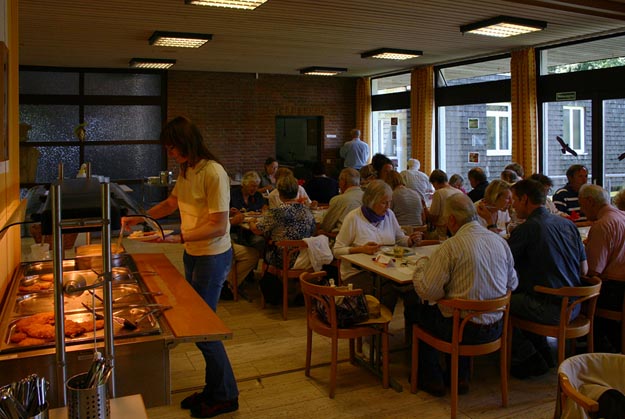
350 309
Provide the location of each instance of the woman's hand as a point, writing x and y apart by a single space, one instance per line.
484 211
415 239
370 248
237 219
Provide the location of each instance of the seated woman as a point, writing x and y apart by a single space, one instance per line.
291 220
367 174
457 181
407 203
246 198
268 177
493 208
364 230
274 196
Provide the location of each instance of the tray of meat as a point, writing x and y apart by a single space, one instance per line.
39 330
36 268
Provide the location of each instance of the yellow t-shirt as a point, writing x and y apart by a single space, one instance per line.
205 190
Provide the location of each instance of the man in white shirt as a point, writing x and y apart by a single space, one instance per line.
355 152
350 198
443 190
416 179
473 264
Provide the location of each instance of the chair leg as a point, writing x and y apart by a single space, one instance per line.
503 373
407 330
454 384
561 350
623 335
334 360
285 296
591 340
308 351
352 352
509 348
385 356
414 364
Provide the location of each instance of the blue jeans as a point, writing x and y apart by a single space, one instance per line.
207 275
538 309
431 319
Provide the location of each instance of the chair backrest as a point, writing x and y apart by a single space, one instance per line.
574 296
289 249
466 310
315 294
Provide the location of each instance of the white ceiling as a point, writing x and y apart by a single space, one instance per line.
282 36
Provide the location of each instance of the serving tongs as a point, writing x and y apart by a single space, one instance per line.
150 222
125 322
118 299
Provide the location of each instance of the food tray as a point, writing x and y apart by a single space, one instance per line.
148 326
38 268
37 302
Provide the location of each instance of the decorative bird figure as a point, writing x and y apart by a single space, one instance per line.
621 157
565 146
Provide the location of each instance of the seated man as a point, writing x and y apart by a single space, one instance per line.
246 198
443 190
320 187
566 198
479 182
473 264
606 259
349 199
548 251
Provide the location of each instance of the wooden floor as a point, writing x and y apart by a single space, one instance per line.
268 354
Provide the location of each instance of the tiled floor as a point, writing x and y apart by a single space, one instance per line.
268 354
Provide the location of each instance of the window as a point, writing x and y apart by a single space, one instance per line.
498 129
573 127
390 84
600 53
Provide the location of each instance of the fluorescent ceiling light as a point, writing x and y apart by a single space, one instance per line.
392 54
233 4
153 63
322 71
179 39
504 26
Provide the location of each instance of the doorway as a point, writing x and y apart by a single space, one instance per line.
299 143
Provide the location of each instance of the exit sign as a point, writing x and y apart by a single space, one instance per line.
568 96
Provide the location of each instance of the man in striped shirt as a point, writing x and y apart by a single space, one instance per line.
566 198
474 264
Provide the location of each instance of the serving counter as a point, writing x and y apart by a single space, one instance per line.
141 360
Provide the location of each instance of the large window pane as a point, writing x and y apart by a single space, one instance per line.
49 122
132 161
391 84
613 144
570 121
122 84
49 159
476 135
602 53
48 83
391 136
119 123
474 73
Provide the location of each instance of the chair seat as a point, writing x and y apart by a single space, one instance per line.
609 314
575 329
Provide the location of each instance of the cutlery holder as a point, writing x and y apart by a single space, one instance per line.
86 403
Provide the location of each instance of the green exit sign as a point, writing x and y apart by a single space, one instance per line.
562 96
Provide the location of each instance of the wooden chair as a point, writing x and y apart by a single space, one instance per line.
456 349
571 297
617 316
289 249
316 293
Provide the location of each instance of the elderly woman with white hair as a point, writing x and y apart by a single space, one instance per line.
364 230
416 180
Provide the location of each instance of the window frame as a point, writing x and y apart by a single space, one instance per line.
498 150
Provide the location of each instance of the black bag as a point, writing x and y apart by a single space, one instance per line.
271 287
350 309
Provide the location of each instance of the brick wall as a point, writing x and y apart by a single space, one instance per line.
236 112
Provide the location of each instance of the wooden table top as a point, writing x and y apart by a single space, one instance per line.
190 319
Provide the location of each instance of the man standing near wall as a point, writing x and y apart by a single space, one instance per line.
355 151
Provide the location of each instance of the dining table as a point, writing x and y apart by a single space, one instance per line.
383 264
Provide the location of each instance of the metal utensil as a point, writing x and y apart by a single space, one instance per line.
133 325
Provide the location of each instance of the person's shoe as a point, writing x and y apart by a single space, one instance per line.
533 366
226 293
432 386
193 400
463 386
204 410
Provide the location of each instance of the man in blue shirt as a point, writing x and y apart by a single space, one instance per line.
547 251
355 152
566 198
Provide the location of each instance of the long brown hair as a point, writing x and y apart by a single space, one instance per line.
182 134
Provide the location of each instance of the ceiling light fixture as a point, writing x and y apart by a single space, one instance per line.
322 71
504 26
152 63
232 4
392 54
179 39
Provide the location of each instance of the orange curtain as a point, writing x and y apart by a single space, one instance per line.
422 115
524 110
363 109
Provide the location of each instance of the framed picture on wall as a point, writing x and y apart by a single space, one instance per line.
4 81
474 157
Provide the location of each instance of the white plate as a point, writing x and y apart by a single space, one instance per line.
150 237
388 250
